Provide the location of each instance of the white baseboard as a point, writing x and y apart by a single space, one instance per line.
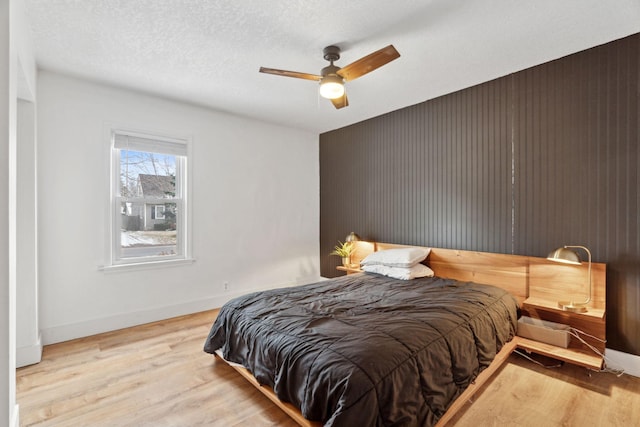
15 417
90 327
56 334
29 355
629 362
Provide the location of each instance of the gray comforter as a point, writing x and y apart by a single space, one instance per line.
366 350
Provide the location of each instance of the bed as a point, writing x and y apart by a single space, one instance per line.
365 349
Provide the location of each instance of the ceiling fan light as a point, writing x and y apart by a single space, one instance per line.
331 87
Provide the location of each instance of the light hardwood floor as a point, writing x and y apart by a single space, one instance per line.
158 375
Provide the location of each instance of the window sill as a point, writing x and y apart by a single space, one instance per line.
147 265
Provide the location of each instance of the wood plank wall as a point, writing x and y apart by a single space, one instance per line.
521 164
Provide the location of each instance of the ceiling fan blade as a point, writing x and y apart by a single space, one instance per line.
369 63
340 102
286 73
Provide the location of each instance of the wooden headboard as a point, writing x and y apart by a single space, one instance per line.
523 276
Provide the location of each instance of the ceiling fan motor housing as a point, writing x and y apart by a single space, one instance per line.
331 53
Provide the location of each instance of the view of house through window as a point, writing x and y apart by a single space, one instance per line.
149 223
148 183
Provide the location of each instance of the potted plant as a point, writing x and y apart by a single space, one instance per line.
344 250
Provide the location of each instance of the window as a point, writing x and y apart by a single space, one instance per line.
148 199
157 212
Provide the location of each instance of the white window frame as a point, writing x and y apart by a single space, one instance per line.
159 212
120 139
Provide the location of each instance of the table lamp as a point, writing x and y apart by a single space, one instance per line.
567 256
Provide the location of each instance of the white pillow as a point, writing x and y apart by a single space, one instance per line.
401 257
402 273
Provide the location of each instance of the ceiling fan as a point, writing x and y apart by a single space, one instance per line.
332 77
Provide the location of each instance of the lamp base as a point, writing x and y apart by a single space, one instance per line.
574 307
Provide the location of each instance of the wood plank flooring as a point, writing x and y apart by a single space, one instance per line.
158 375
524 394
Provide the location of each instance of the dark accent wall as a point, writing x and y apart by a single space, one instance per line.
521 164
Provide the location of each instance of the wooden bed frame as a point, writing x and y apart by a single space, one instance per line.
535 282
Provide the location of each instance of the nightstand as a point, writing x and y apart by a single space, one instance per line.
349 270
591 322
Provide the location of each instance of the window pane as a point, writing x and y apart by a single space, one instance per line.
148 229
148 175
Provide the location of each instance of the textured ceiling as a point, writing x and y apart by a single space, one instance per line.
208 52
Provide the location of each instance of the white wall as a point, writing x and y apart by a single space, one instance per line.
28 343
255 194
28 346
17 76
7 284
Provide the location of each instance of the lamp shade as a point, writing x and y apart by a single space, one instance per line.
331 87
564 255
352 237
